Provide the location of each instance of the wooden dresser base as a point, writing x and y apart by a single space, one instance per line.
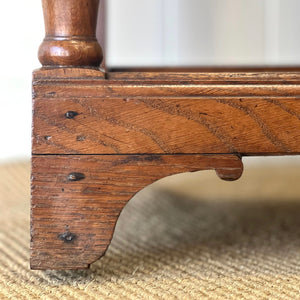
76 200
99 137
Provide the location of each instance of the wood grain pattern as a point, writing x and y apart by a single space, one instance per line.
76 200
251 114
70 33
132 128
167 125
273 75
180 76
165 118
133 84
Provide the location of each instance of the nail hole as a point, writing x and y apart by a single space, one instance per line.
67 237
76 176
80 138
71 114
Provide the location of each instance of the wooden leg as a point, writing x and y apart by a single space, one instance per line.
70 33
76 200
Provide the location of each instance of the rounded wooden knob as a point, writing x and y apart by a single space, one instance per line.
70 33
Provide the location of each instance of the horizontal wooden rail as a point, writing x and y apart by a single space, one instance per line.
181 113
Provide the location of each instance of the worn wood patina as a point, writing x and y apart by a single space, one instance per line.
100 136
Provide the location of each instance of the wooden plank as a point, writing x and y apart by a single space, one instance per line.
76 200
209 76
104 88
135 125
262 76
123 71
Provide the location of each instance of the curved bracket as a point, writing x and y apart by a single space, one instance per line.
76 201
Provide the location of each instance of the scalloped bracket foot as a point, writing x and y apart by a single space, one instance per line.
76 200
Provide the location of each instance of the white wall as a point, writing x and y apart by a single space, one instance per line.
203 32
22 31
144 32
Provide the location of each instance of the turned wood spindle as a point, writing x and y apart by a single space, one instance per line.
70 38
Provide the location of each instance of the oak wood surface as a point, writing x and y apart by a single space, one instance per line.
246 125
76 200
55 74
148 125
46 84
246 113
99 137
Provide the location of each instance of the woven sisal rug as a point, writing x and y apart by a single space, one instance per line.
185 237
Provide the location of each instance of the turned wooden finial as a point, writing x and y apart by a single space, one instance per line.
70 33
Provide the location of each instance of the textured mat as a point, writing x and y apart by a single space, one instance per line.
185 237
